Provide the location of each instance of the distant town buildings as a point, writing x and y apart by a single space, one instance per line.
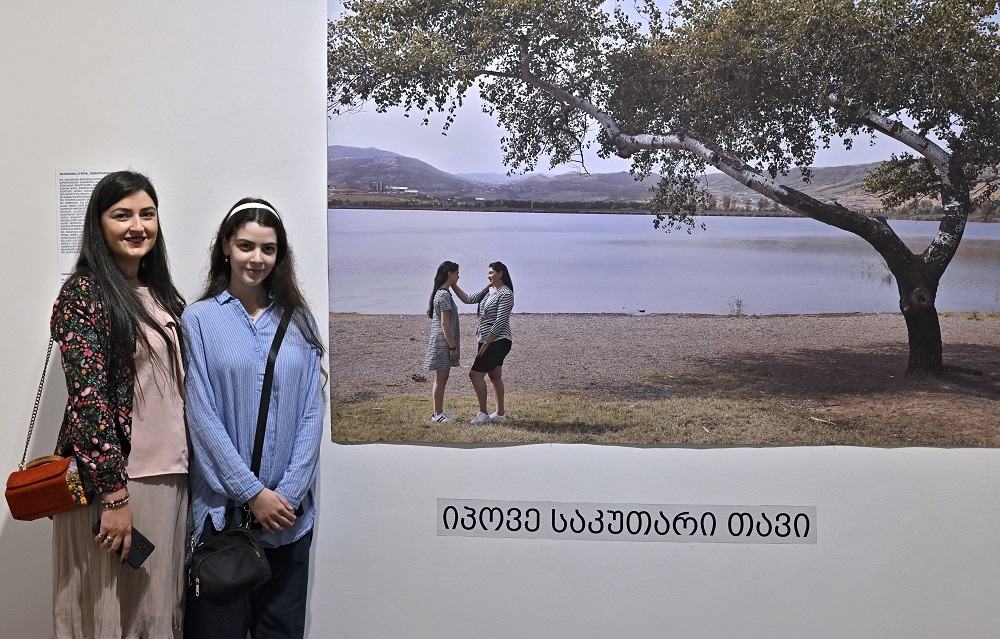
382 187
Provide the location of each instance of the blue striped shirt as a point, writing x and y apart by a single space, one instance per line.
227 353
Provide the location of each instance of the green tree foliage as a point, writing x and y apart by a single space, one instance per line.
751 87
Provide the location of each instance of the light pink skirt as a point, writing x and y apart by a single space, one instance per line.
96 597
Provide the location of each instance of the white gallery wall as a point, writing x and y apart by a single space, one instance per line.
216 100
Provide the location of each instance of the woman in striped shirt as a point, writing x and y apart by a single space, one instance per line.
493 334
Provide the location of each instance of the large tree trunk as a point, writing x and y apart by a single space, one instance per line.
922 327
924 334
917 276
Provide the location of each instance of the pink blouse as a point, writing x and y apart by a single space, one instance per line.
159 437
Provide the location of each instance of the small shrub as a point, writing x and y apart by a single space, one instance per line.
737 308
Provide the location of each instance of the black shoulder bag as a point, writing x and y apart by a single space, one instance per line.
232 564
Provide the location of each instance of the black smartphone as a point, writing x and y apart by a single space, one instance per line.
141 547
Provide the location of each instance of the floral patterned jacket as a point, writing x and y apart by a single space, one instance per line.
97 426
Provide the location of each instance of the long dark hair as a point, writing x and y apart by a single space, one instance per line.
499 266
281 282
505 278
439 279
125 311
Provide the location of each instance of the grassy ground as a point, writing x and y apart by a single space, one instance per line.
576 417
854 394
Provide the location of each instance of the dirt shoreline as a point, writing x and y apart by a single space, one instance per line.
849 365
378 353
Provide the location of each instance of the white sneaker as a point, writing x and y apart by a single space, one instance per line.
442 418
497 417
480 418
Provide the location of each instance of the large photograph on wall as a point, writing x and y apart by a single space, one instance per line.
664 223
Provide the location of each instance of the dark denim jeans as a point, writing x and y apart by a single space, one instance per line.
277 610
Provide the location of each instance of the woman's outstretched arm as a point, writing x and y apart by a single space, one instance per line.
475 298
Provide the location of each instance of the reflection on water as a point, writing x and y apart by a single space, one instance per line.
384 262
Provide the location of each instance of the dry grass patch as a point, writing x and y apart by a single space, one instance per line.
971 315
578 417
699 382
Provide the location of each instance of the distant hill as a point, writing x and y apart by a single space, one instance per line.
841 183
338 151
361 168
489 178
365 169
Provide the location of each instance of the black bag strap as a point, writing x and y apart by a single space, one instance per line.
34 411
265 393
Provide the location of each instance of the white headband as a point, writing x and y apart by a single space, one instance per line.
250 205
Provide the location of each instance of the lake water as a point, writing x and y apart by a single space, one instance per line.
384 262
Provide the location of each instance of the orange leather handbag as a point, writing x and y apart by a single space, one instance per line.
45 486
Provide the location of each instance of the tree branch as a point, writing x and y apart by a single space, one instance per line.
954 192
496 74
938 157
874 230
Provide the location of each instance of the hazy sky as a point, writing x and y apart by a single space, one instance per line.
473 142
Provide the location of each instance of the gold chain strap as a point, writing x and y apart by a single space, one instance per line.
34 411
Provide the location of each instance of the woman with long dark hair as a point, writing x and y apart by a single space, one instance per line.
116 323
228 335
443 344
493 334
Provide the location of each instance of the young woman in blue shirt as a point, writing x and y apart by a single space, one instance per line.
228 334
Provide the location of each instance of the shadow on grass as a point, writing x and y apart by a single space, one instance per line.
825 374
576 430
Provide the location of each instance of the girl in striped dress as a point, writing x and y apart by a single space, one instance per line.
442 346
494 336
